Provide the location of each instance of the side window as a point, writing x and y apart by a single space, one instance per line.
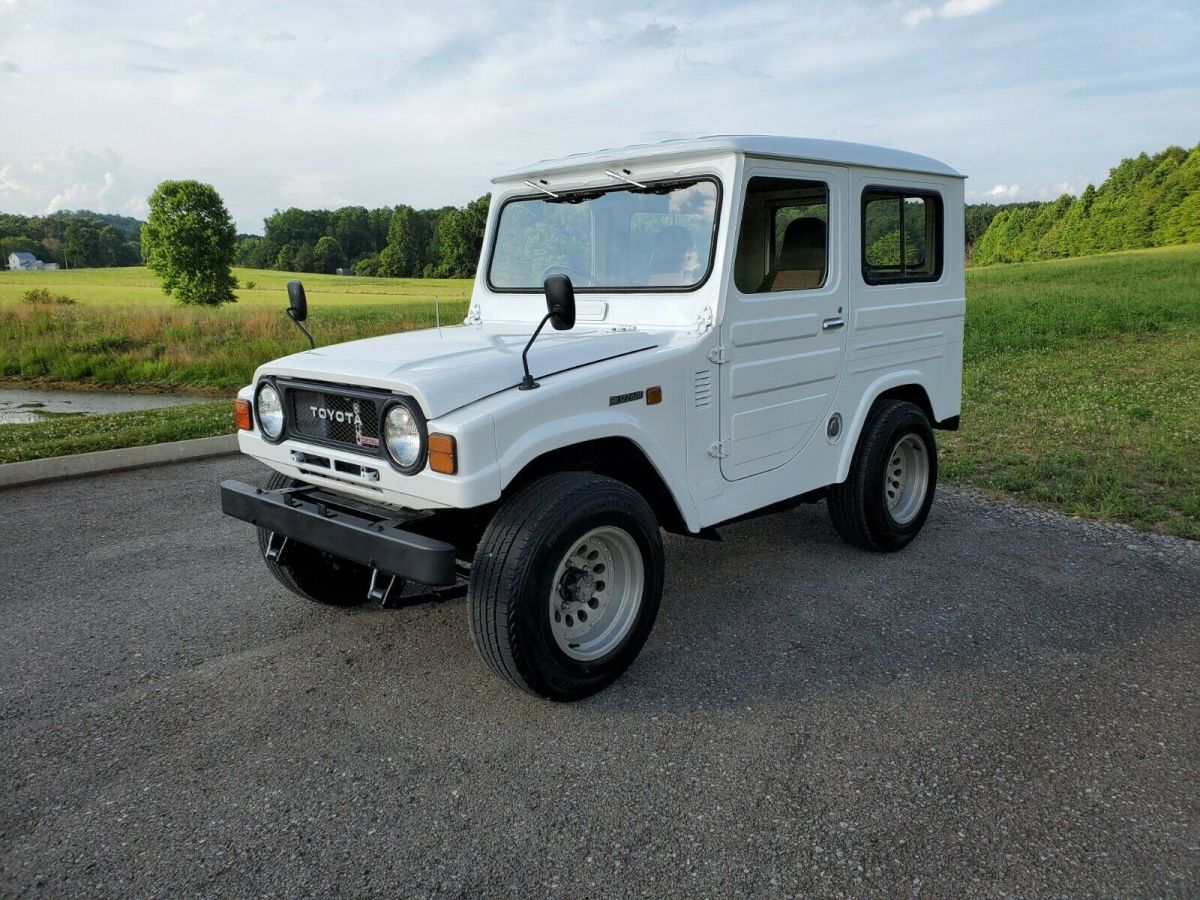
902 236
784 240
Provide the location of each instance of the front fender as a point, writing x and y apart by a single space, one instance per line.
559 433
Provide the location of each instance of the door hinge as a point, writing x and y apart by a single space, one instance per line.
719 355
704 321
718 450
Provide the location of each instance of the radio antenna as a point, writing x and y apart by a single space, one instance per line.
437 312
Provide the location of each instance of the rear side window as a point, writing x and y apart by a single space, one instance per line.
902 236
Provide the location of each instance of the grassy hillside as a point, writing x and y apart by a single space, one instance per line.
1081 383
1147 201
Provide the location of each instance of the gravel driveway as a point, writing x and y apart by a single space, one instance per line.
1010 706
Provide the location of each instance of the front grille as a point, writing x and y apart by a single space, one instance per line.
335 418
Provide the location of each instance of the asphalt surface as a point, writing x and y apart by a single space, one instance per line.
1009 707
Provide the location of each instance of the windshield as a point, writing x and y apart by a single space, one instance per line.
657 237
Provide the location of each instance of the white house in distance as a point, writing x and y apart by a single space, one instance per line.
27 262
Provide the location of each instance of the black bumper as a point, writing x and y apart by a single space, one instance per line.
368 535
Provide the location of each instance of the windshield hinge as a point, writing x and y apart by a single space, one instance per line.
719 355
474 315
704 321
718 450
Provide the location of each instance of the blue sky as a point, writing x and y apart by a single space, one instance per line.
326 104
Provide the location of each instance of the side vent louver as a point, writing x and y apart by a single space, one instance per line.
703 389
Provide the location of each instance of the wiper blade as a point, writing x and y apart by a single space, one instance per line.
575 197
665 187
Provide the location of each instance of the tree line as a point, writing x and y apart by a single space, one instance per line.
398 242
1146 201
73 238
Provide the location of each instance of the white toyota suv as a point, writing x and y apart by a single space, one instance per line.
737 323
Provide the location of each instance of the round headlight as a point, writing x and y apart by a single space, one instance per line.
270 412
402 435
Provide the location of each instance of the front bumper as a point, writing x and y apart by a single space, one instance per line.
359 532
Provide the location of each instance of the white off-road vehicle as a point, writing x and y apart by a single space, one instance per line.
738 323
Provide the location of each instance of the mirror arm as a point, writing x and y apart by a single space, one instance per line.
291 314
527 383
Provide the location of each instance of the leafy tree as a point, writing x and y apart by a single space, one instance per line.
254 252
459 236
368 266
351 227
408 245
304 260
285 259
189 242
327 256
83 245
297 226
111 246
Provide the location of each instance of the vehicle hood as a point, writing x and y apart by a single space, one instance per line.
446 368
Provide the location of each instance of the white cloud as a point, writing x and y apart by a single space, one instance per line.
951 9
74 179
918 15
1003 192
8 67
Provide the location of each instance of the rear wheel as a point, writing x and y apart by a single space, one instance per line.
885 500
314 574
566 584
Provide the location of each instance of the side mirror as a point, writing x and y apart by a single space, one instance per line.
560 302
297 303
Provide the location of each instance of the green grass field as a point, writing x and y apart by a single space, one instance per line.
137 287
1081 379
122 333
1081 387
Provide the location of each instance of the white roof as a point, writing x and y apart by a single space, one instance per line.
761 145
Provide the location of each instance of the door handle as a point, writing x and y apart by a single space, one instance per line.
833 324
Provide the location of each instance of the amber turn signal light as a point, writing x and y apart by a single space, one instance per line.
653 396
241 415
443 454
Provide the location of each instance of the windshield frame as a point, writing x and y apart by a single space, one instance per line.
635 289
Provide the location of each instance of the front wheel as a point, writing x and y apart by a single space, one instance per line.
566 584
885 500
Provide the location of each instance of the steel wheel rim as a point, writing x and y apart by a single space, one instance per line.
906 478
596 593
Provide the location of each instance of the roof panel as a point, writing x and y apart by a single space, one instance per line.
812 150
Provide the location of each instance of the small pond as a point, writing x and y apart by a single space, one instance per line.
21 406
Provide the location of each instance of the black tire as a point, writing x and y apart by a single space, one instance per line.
859 505
513 575
315 574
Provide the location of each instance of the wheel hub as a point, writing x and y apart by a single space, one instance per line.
597 592
906 478
578 586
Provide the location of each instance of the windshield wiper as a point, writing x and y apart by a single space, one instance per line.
575 197
665 187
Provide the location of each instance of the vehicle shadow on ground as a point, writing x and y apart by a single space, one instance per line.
782 610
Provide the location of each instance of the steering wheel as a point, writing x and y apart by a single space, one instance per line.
579 277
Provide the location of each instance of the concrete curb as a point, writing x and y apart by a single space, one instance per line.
56 467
